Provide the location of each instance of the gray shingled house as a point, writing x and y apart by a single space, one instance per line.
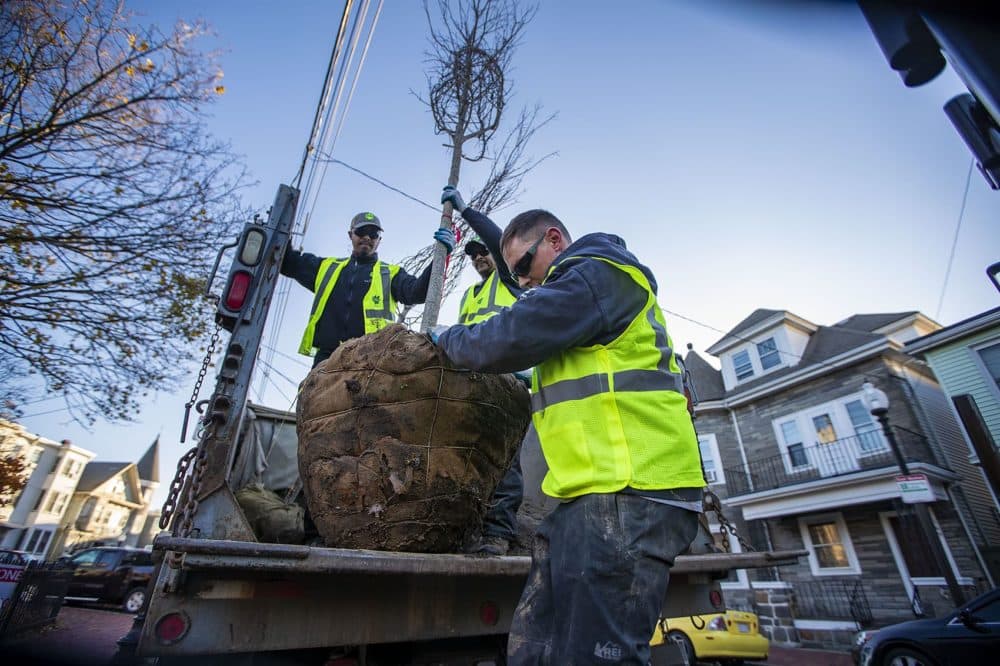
790 446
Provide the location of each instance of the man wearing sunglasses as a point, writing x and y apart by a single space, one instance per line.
608 405
355 295
480 302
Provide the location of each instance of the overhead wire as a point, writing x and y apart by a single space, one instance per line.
328 122
954 241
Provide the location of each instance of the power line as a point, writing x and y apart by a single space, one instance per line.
383 183
954 242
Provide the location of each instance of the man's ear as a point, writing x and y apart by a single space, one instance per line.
348 234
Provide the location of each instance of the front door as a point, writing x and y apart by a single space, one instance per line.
830 455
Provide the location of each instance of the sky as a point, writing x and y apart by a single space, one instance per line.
752 154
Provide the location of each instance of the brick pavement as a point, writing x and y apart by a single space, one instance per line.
81 635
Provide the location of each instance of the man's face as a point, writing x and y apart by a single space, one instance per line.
365 240
483 262
530 257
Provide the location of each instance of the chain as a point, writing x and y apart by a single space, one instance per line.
712 503
170 505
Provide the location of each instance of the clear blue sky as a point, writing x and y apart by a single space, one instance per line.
752 154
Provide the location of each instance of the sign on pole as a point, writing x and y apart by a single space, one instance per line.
915 488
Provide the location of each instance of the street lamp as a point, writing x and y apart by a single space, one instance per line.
878 404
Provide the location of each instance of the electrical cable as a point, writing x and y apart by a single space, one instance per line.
954 242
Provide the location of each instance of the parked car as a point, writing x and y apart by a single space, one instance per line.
969 635
110 575
729 637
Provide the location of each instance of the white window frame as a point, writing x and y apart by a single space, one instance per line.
713 445
897 555
760 357
981 365
837 518
842 425
736 372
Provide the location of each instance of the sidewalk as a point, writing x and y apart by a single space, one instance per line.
782 656
80 636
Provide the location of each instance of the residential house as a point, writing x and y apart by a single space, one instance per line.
31 519
965 358
111 504
792 449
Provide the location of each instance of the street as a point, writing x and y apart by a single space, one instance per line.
88 635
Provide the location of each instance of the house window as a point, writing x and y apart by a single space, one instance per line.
869 439
43 542
831 552
32 541
991 359
793 443
36 453
72 468
54 499
767 350
742 365
710 460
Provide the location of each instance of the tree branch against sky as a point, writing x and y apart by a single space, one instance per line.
469 91
113 202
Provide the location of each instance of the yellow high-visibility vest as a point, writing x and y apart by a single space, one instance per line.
493 297
379 305
614 416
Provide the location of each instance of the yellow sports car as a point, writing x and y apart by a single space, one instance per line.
730 637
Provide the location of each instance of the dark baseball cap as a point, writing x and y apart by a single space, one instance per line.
365 220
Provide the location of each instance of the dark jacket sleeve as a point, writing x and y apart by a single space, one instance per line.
301 267
590 303
411 290
487 229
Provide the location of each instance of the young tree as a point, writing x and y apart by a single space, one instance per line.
113 202
469 88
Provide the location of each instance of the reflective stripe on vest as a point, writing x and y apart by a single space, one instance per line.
379 306
614 416
661 379
493 297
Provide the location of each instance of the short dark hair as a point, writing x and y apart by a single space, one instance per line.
524 223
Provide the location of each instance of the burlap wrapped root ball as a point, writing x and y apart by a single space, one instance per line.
398 449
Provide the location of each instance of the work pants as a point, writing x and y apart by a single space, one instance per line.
599 571
501 519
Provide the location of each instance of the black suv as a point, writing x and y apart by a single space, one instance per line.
111 575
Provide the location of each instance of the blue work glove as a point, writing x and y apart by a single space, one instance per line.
446 237
524 376
452 195
436 332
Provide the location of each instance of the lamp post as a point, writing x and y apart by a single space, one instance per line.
878 404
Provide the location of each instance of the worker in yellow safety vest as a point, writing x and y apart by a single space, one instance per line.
354 295
608 404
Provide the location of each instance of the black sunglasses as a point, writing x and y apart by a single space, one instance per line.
370 232
523 265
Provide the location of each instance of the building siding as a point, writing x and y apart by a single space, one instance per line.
959 371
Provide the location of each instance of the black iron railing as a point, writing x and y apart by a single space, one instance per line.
36 600
835 599
800 464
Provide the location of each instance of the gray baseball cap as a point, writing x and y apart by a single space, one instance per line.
365 220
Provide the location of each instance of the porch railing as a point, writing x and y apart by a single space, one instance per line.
800 464
837 599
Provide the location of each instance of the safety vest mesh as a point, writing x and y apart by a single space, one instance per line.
614 416
493 297
379 305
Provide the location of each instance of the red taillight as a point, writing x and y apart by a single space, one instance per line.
715 598
717 623
489 614
171 628
239 287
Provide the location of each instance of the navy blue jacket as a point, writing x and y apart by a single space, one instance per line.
582 303
343 319
487 230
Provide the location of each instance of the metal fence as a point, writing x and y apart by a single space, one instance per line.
36 600
801 464
839 599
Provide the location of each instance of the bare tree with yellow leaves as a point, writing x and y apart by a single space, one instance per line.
113 202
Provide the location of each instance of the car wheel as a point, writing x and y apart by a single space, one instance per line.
134 600
902 656
680 639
